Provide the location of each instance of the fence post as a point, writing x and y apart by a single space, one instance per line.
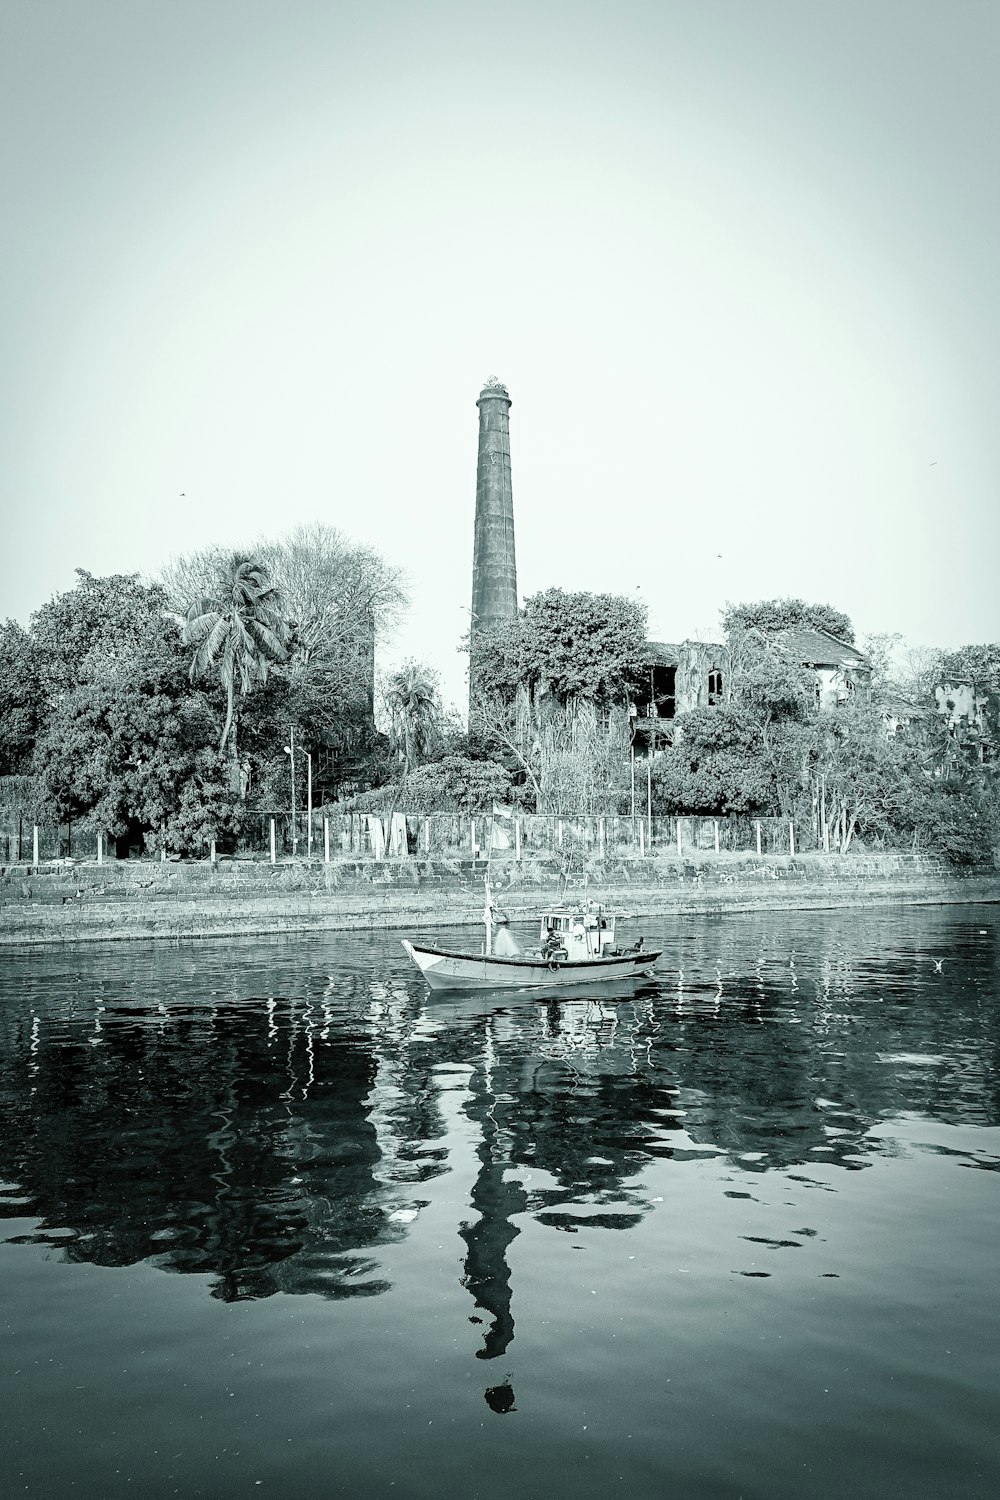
517 838
758 835
716 822
326 840
34 846
273 849
212 856
100 848
791 838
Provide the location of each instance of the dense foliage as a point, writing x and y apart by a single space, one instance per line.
773 750
716 766
774 615
456 783
159 714
570 645
163 720
22 706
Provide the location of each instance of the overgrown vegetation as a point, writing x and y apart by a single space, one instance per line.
157 712
162 712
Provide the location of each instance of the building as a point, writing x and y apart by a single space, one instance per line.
682 677
842 671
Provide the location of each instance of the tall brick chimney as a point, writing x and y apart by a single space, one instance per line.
494 571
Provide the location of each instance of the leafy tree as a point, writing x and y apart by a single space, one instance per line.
22 703
547 685
123 755
237 633
979 663
126 743
715 766
102 626
571 645
770 616
455 783
765 679
871 777
960 822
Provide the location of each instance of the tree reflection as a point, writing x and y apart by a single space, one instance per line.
275 1144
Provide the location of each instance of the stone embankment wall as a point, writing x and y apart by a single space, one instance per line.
67 903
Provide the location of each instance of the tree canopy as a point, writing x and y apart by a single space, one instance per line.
771 616
569 644
22 705
237 631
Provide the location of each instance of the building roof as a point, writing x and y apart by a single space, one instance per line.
666 654
898 707
818 648
660 654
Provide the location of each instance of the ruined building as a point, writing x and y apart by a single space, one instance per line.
674 677
494 571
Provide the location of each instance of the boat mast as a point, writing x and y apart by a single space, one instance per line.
488 916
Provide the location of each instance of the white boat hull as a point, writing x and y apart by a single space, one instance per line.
443 970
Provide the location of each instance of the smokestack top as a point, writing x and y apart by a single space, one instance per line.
493 389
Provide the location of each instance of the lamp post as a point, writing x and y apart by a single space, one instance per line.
309 794
290 752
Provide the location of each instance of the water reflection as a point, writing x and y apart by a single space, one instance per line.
247 1115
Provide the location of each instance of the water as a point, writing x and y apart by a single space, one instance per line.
274 1221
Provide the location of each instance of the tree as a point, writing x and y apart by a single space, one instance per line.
22 702
771 616
883 649
237 632
413 704
103 626
919 672
715 766
456 783
551 687
870 777
340 598
126 756
570 645
979 663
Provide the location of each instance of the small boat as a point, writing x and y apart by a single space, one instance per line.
576 945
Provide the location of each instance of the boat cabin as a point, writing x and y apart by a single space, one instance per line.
584 932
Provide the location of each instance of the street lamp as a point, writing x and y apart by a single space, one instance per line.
309 824
290 751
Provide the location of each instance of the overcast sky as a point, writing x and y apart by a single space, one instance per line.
736 260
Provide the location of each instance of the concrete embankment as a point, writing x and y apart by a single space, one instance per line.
70 903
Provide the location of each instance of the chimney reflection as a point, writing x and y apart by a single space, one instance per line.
486 1272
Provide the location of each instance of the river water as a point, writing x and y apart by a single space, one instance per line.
276 1221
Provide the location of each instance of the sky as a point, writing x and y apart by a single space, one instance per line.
736 261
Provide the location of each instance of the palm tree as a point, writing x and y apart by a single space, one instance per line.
415 714
411 696
238 632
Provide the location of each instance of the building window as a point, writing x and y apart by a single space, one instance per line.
715 686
